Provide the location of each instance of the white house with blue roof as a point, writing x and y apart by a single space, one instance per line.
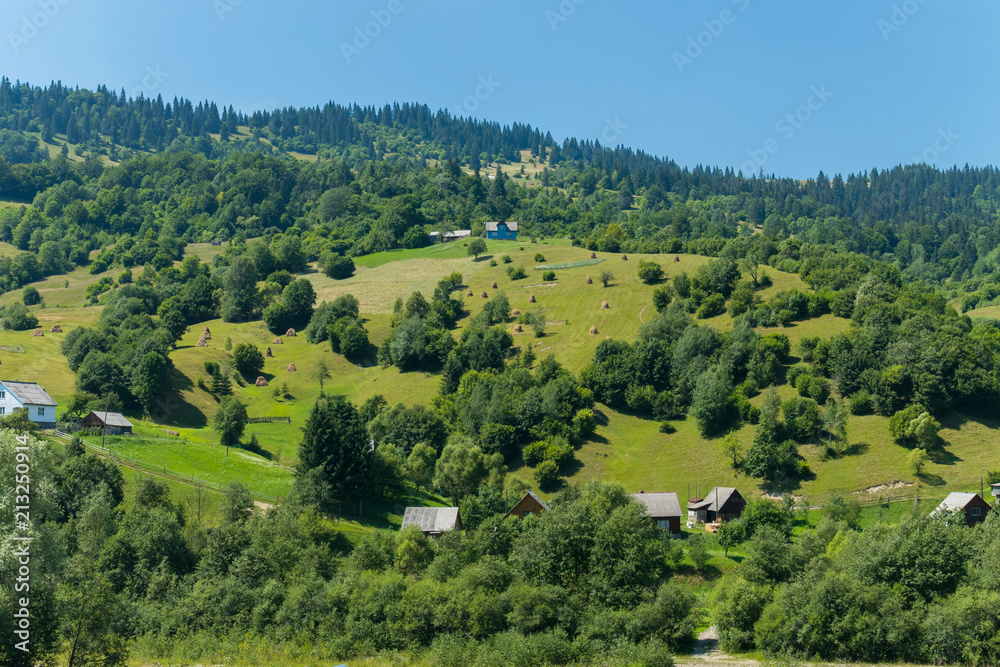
40 406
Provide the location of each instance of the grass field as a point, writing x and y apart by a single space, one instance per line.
625 448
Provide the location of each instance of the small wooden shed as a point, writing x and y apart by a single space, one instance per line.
433 520
110 423
663 508
529 504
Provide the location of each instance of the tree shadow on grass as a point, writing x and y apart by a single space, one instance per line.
943 457
930 479
172 409
855 449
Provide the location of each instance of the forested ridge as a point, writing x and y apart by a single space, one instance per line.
900 254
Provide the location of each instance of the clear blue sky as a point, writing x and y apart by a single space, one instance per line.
585 68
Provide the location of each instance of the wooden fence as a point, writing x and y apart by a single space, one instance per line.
268 420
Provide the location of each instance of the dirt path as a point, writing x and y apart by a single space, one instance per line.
640 314
706 651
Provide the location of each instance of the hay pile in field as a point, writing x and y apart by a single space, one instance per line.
624 257
608 337
593 255
206 334
676 258
590 281
469 293
494 284
604 305
277 341
37 332
291 368
261 382
56 329
268 354
290 333
484 295
201 343
593 331
518 328
531 299
515 313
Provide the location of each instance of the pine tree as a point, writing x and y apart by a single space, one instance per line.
221 384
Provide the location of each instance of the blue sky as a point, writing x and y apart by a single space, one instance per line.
793 87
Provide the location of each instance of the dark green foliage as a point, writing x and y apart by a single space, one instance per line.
516 273
17 317
249 360
30 296
229 421
295 309
405 427
548 276
332 463
345 305
476 247
338 267
650 272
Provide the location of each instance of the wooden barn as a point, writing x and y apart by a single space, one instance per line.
433 520
971 505
111 423
663 508
723 503
529 504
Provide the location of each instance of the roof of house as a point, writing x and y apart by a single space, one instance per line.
431 519
537 499
461 233
110 418
29 393
492 226
659 504
715 499
955 501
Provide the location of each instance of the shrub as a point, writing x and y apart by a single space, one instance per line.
650 272
539 257
338 267
517 272
248 360
506 259
549 276
546 474
493 262
31 297
861 403
534 453
713 305
17 317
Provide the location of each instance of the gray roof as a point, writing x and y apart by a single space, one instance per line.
111 418
659 504
713 501
459 233
492 226
955 501
431 519
29 393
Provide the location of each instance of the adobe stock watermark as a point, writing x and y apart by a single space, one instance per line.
22 541
223 7
565 9
788 125
33 23
613 129
698 43
484 91
154 76
363 35
900 16
942 143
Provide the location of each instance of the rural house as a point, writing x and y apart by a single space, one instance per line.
971 505
40 406
529 504
663 508
503 231
111 423
722 503
448 237
433 520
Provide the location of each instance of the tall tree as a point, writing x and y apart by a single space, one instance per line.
240 290
333 455
229 421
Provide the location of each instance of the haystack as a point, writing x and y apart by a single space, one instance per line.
676 258
37 332
56 329
484 295
494 286
290 333
277 341
268 354
261 382
604 305
515 313
590 281
201 343
608 337
291 368
531 299
518 328
593 331
206 334
469 293
593 255
624 257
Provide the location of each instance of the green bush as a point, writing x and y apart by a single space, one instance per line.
539 257
249 360
516 272
549 276
506 259
31 296
546 474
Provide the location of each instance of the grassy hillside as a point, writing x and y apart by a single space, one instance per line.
625 448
